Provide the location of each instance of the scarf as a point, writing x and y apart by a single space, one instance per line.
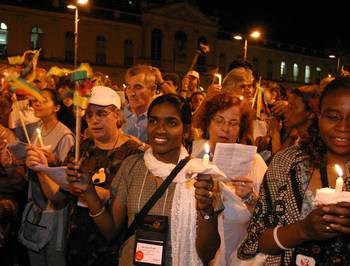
183 211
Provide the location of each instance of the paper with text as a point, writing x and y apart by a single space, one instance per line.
234 159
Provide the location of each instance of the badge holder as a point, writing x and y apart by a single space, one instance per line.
150 241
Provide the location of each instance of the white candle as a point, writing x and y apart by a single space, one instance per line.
21 119
40 139
339 182
206 154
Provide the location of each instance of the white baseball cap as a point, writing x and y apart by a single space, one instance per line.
104 96
193 73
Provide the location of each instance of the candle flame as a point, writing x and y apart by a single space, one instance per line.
339 170
38 131
206 148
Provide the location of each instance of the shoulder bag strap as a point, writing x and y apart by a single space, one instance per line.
155 197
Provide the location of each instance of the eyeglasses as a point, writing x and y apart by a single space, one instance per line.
335 118
100 114
219 120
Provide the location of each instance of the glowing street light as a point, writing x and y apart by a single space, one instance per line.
76 31
254 35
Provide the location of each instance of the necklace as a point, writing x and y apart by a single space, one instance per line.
116 142
49 132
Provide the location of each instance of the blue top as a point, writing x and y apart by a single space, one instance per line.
135 125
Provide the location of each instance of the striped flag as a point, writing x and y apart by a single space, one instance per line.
23 87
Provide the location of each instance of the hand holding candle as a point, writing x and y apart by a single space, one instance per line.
206 154
40 139
339 181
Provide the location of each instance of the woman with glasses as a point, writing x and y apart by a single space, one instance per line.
288 224
100 157
224 122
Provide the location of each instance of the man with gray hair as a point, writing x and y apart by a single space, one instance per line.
141 85
239 82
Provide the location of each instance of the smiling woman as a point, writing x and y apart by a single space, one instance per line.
296 229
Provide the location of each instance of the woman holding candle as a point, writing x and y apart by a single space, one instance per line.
188 238
101 157
286 224
224 122
54 140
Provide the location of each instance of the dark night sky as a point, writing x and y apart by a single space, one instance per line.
321 25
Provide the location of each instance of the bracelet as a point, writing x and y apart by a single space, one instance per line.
275 237
97 214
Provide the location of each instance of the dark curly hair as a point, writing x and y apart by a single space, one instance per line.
313 146
222 102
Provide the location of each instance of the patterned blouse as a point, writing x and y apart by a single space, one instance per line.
86 245
284 199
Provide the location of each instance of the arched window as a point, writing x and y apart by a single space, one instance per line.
222 63
269 72
283 70
69 46
307 74
201 58
36 38
156 47
128 53
180 46
3 39
101 50
295 72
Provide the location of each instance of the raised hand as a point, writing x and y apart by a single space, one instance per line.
78 181
35 157
204 193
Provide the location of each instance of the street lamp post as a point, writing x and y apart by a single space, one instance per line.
338 67
254 34
76 29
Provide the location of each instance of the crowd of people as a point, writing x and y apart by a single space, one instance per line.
139 191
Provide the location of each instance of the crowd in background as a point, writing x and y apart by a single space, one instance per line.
133 136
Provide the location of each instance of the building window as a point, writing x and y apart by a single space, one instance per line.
36 37
101 50
180 46
201 58
318 74
255 66
3 39
283 70
69 43
222 64
156 47
307 74
269 72
128 53
295 72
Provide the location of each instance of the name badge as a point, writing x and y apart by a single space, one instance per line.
150 241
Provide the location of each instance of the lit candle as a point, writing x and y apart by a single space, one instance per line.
206 153
40 139
340 181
